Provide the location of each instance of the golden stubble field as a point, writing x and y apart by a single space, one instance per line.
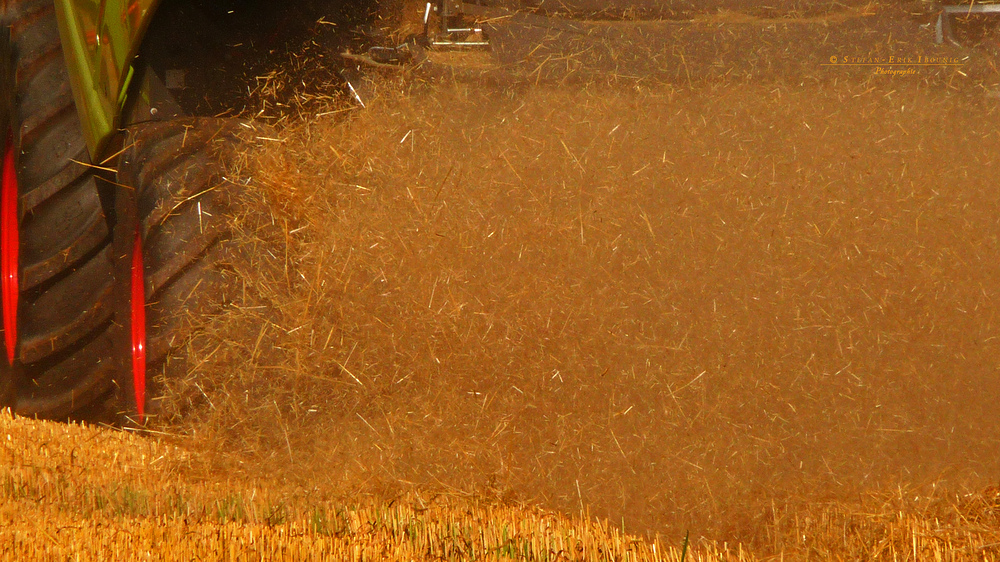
85 493
758 306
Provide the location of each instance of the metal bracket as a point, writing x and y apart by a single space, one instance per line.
453 30
942 29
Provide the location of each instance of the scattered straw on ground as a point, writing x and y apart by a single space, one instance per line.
86 493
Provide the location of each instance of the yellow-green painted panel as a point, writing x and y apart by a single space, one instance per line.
100 38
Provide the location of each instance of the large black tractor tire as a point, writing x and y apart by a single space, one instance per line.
174 199
62 334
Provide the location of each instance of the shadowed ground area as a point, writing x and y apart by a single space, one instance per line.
689 303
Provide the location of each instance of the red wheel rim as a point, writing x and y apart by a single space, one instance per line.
138 305
9 248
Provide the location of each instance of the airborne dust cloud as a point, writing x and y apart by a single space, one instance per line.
678 304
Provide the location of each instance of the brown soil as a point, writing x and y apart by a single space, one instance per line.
692 288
